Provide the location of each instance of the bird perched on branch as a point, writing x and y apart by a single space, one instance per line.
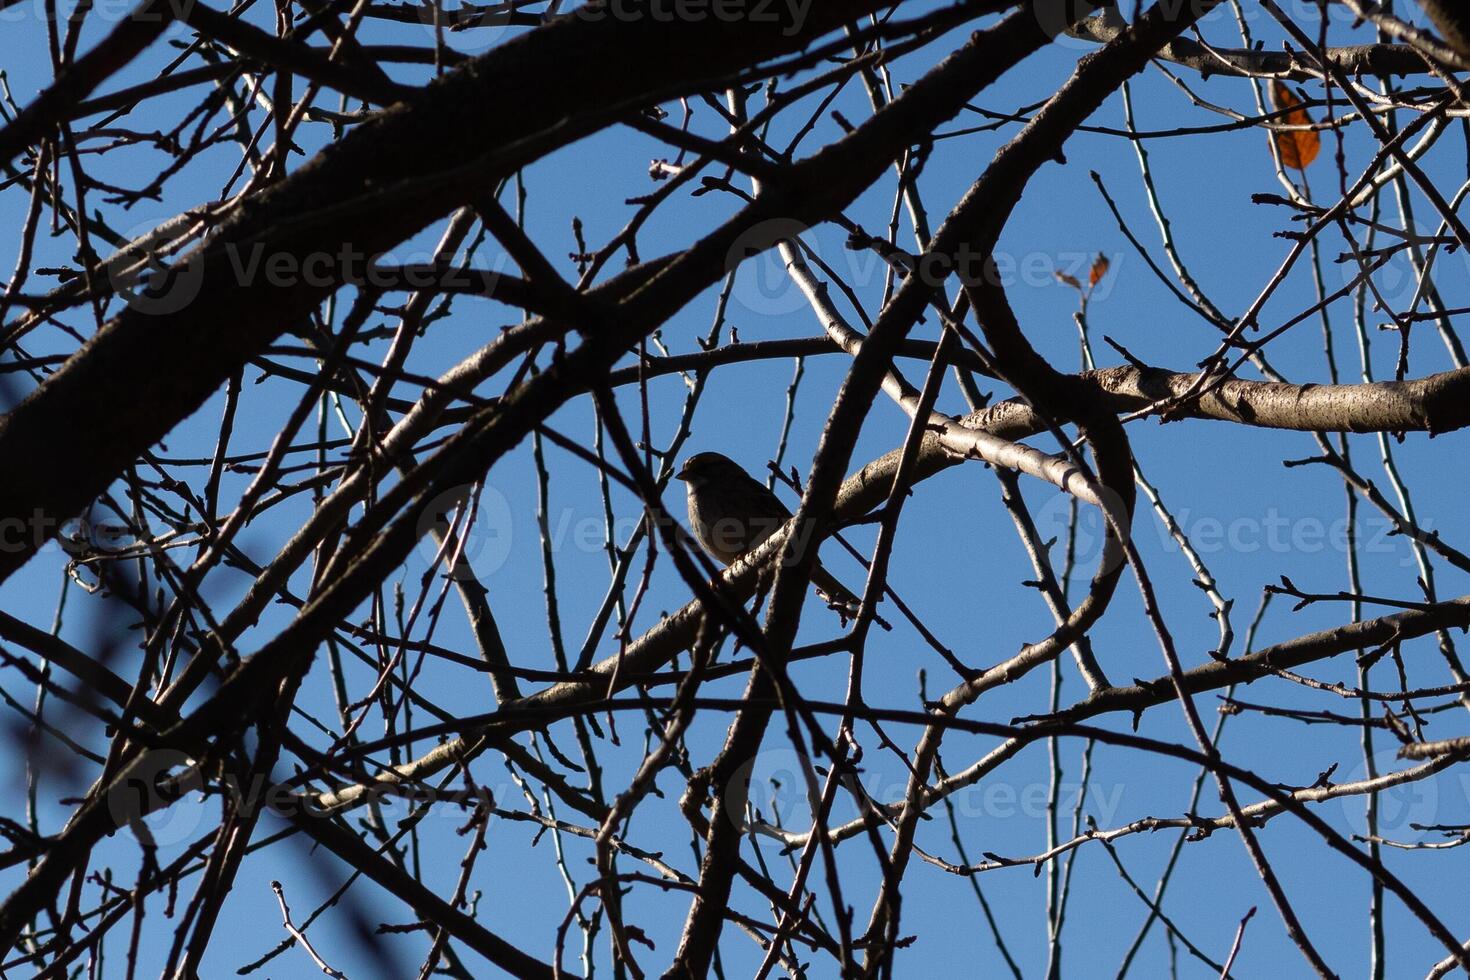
731 513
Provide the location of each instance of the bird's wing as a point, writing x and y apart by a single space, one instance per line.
836 595
763 499
759 508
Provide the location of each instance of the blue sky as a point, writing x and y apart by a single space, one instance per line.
957 560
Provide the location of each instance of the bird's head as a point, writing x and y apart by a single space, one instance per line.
708 468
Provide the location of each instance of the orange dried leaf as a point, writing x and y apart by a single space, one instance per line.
1099 269
1298 147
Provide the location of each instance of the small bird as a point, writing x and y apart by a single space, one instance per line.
731 513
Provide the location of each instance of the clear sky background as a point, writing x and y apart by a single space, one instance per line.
957 562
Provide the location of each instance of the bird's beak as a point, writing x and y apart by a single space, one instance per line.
683 473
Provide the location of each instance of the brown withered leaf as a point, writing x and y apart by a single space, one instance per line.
1099 269
1298 147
